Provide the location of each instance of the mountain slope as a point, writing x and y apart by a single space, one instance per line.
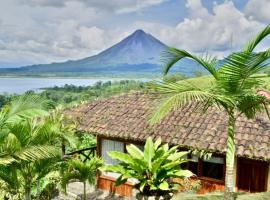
137 48
138 53
134 51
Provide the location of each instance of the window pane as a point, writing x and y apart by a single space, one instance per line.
141 147
213 168
110 145
193 165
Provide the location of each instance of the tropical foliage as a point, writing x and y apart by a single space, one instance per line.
32 135
30 138
154 168
71 94
81 171
234 89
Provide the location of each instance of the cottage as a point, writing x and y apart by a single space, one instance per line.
121 120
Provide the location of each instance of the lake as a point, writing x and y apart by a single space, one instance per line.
21 85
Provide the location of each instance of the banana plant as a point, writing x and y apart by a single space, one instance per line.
154 168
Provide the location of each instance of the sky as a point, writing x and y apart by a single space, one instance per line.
45 31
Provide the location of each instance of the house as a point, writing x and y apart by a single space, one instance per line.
121 120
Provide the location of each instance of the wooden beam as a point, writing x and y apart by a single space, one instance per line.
81 150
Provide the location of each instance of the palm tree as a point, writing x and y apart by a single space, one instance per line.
25 138
10 181
42 168
63 127
82 171
25 144
234 90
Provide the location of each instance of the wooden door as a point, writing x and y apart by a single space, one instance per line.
252 175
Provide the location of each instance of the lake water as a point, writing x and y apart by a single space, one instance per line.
21 85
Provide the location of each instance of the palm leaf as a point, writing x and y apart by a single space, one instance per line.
239 71
31 154
253 43
173 55
28 106
182 93
8 174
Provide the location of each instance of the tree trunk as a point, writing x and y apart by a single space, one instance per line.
38 187
230 156
27 184
27 193
84 190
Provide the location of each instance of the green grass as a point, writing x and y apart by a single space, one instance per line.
219 196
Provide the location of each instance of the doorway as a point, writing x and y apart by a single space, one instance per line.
252 175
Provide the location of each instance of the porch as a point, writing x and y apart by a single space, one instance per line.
250 176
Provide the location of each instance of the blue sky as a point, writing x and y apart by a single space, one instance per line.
44 31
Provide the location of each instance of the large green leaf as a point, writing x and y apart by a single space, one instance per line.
152 168
178 155
115 168
184 174
164 186
149 151
123 157
121 180
157 143
134 151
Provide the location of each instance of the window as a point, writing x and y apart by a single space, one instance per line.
213 168
141 147
110 145
193 165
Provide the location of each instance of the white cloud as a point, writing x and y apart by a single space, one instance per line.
205 31
58 30
44 31
50 3
34 36
258 10
126 6
123 6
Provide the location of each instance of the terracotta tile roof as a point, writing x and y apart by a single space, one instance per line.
127 117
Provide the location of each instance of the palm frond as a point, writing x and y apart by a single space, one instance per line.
8 174
173 55
81 171
67 177
183 93
251 104
45 166
31 154
240 70
254 42
26 106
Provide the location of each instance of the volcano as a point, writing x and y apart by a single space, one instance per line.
140 52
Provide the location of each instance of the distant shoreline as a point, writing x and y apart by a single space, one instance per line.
94 76
72 77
